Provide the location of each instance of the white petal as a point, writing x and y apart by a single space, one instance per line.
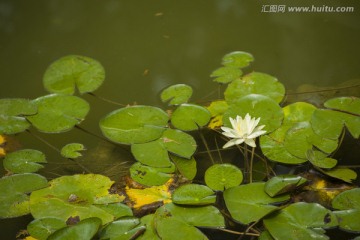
256 134
231 134
229 143
250 142
239 141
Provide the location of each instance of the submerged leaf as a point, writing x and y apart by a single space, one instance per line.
176 94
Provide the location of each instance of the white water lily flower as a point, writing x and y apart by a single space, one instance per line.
243 130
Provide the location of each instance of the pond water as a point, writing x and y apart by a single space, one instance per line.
148 45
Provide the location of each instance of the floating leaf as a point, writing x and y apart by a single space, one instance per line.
346 104
256 105
189 117
223 176
237 59
153 153
186 167
265 235
300 221
319 159
218 108
124 229
193 194
23 161
176 94
283 183
71 150
12 112
226 74
255 83
14 200
298 112
58 113
136 124
342 173
179 143
150 233
84 230
117 209
249 203
67 72
77 195
42 228
150 176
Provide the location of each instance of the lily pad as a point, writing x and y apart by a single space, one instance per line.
124 229
186 167
189 117
14 200
270 113
12 112
345 104
217 108
176 94
283 183
226 74
72 150
58 113
24 161
77 195
84 230
42 228
255 83
67 72
319 159
292 223
237 59
150 176
117 209
249 203
150 233
193 194
341 173
136 124
223 176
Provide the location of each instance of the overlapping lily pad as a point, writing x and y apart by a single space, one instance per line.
24 161
176 94
186 167
42 228
301 221
341 173
282 184
150 233
226 74
58 113
14 200
136 124
223 176
193 194
68 72
12 112
151 176
122 229
255 83
249 203
72 150
189 117
77 195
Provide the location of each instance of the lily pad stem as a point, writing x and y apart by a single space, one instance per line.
206 146
106 100
251 164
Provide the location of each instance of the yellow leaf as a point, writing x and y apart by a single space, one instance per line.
216 122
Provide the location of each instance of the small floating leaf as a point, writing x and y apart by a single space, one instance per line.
226 74
136 124
84 230
189 117
176 94
193 194
72 150
283 183
186 167
150 176
124 229
223 176
237 59
58 113
67 72
344 174
346 104
255 83
23 161
249 203
319 159
41 228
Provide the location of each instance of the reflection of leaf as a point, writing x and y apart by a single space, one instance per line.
189 117
67 72
23 161
223 176
176 94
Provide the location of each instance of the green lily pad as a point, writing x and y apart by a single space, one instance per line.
14 200
67 72
319 159
58 113
283 183
84 230
118 209
150 233
186 167
12 112
136 124
124 229
72 150
176 94
249 203
189 117
193 194
24 161
42 228
270 113
179 143
199 216
77 195
298 112
346 104
255 83
226 74
223 176
265 235
237 59
301 221
217 108
341 173
150 176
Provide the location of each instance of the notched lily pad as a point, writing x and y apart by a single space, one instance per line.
226 74
67 72
193 194
24 161
186 167
341 173
72 150
122 229
176 94
223 176
151 176
189 117
346 104
237 59
42 228
283 183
